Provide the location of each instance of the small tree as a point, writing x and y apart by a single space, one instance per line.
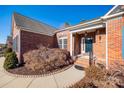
11 61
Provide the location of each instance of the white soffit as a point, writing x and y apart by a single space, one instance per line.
88 28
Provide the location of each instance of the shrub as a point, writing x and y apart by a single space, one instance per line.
102 78
10 61
8 50
84 83
95 73
46 59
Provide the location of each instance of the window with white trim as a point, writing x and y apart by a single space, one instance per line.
62 42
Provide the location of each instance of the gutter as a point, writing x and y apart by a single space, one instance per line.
32 31
111 16
93 21
68 28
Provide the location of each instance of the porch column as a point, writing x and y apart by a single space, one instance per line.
71 41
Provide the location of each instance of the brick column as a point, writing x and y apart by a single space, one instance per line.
114 27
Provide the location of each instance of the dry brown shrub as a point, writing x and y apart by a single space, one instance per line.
117 72
102 78
84 83
46 59
95 73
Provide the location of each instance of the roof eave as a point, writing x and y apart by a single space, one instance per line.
111 16
29 30
76 26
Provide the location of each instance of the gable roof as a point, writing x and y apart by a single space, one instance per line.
115 9
27 23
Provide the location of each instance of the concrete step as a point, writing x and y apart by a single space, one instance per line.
82 59
82 62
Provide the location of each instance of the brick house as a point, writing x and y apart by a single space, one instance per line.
103 36
29 34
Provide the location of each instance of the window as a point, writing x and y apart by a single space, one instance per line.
62 43
15 44
65 43
82 43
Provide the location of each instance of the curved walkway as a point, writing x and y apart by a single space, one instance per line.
59 80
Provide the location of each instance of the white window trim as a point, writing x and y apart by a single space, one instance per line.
83 51
62 38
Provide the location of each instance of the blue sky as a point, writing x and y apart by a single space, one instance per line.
52 15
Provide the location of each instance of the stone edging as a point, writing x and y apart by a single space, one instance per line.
35 76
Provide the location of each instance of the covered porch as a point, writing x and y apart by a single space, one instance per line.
85 41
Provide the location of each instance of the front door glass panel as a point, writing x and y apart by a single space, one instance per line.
88 45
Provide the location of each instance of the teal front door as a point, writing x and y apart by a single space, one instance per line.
88 45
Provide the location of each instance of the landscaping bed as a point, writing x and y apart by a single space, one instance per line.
24 71
43 61
97 77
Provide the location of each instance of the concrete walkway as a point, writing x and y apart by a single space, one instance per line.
59 80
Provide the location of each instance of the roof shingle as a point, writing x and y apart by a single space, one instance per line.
33 25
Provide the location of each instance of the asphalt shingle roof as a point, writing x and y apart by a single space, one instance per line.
33 25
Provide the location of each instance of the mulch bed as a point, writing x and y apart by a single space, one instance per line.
43 61
24 71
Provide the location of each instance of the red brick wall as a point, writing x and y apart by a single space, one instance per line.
15 33
114 27
30 41
99 45
77 44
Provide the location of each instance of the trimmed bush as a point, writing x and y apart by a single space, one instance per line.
10 61
8 50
